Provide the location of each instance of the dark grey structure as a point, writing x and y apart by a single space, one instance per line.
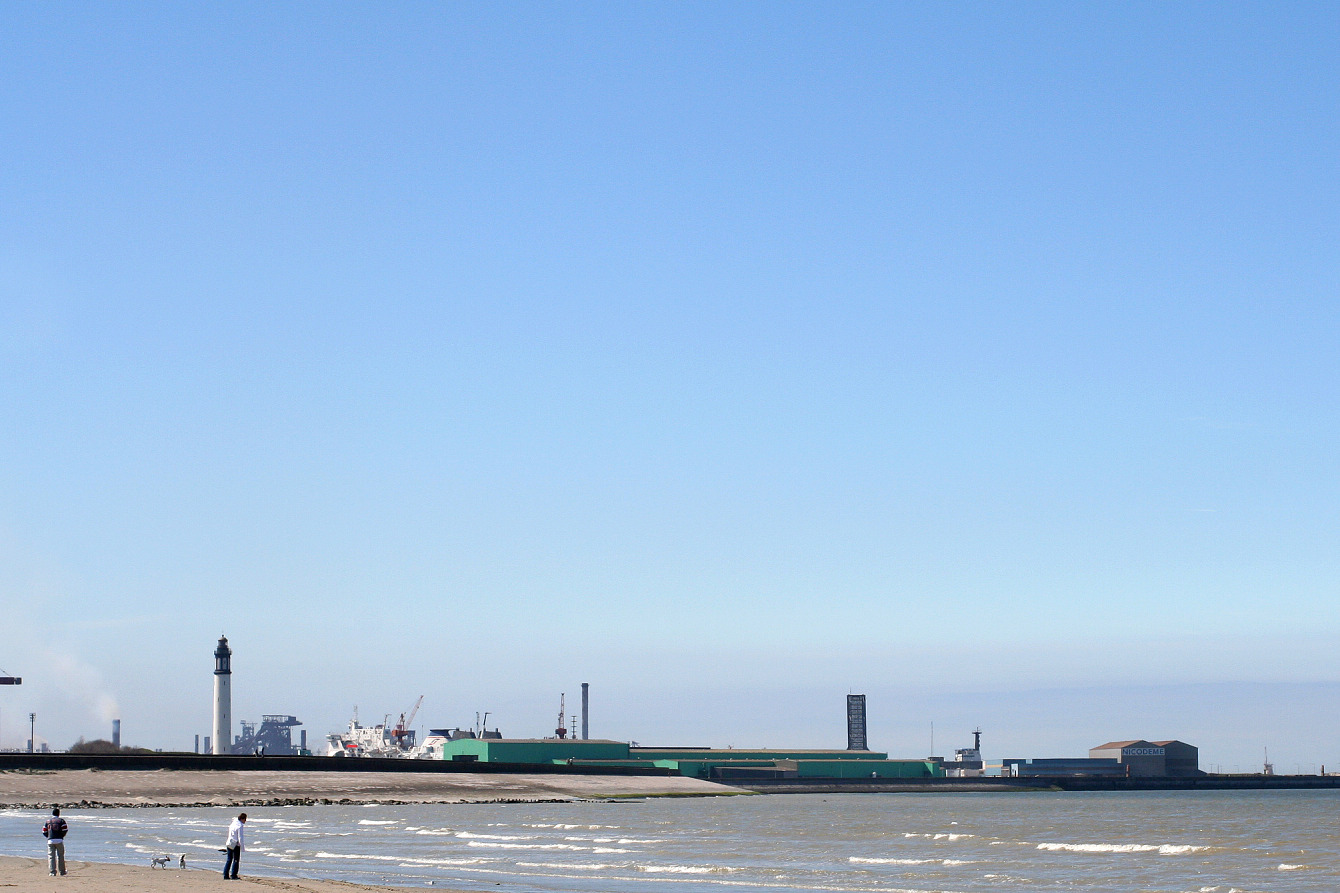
1063 767
856 723
273 738
1152 759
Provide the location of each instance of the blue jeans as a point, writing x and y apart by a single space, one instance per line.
233 859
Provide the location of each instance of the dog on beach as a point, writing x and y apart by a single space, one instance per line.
159 861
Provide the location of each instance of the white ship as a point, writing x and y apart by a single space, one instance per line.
967 762
380 740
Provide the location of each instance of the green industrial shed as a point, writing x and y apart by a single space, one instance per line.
694 762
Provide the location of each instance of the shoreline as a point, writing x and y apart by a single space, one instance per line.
30 873
118 789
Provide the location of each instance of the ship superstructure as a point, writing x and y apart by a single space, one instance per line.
380 740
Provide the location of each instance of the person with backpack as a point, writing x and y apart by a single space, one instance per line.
54 831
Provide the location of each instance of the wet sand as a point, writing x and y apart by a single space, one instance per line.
93 788
26 874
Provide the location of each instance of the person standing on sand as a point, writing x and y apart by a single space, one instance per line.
54 831
234 847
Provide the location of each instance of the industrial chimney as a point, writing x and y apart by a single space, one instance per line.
223 697
586 710
856 722
116 733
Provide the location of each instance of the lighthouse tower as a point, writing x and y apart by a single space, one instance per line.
222 742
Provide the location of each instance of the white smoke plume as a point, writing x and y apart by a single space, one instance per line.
83 685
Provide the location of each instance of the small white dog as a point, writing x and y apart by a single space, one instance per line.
159 861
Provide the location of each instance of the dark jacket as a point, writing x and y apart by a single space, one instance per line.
55 828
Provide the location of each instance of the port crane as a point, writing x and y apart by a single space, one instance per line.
6 679
562 730
401 733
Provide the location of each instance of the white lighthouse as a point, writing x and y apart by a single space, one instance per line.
222 742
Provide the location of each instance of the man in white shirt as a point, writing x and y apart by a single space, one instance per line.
234 847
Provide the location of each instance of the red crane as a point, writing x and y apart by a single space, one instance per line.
401 730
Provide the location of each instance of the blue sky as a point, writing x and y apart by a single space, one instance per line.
728 358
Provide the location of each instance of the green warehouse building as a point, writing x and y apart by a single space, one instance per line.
714 764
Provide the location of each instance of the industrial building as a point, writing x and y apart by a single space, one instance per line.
1135 758
695 762
1151 759
274 737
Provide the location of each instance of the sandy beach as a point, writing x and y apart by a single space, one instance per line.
92 788
94 877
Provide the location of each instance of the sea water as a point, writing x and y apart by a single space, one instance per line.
1150 842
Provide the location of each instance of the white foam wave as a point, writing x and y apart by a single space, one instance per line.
685 869
467 835
373 822
1165 849
1285 866
496 845
401 859
860 860
575 866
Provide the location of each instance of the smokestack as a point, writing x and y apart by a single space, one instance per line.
586 710
856 722
116 733
223 697
207 750
197 744
302 740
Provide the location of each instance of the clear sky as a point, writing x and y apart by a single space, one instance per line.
729 357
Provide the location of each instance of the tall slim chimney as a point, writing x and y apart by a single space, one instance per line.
197 744
116 733
586 710
223 697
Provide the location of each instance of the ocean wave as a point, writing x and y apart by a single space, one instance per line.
469 835
1285 866
497 845
939 835
685 869
574 866
401 859
861 860
374 822
1164 849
